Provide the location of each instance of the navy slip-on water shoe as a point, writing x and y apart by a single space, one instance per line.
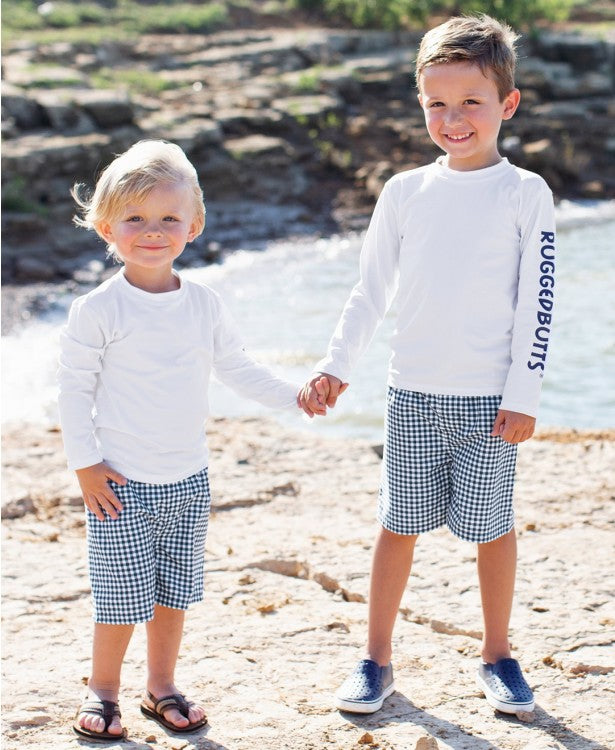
364 691
505 687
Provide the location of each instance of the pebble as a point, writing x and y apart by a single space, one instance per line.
427 742
527 717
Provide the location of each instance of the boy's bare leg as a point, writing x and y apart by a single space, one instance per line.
391 566
110 644
497 564
164 635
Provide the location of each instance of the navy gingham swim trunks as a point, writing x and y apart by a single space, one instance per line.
153 553
441 467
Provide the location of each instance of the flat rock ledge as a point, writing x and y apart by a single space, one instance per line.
284 614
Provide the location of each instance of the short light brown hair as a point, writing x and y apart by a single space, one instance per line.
131 176
481 40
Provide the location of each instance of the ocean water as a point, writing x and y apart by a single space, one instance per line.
287 299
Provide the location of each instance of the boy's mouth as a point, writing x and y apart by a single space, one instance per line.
458 137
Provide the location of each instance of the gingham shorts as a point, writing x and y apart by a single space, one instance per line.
153 553
442 467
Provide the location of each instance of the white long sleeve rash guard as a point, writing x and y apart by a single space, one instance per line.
470 257
134 374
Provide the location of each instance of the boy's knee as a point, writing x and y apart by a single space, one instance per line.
509 537
391 537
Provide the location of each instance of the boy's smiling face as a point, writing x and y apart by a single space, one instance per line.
463 113
150 235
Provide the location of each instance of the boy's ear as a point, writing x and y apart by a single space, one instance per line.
511 102
103 228
193 232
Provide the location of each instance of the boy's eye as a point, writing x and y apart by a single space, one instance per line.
133 218
170 218
437 104
471 101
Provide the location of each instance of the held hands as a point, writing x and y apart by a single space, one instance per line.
318 393
513 427
97 494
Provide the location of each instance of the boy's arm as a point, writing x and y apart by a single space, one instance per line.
532 321
371 297
82 344
235 368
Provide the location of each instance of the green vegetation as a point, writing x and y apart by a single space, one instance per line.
174 17
15 198
398 14
49 77
66 15
136 81
308 81
20 14
127 15
94 20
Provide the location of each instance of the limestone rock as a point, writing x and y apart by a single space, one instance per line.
18 508
583 52
26 112
427 742
108 109
309 108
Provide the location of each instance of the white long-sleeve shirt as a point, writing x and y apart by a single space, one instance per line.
134 374
470 258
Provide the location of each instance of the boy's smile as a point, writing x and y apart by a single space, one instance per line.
463 113
150 235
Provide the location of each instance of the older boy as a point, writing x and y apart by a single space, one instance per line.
467 243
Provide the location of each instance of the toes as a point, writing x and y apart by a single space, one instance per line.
176 718
115 727
93 723
196 713
97 724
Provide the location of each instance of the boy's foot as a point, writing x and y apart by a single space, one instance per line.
364 691
99 720
505 687
157 708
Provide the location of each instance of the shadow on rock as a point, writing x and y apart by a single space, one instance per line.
398 709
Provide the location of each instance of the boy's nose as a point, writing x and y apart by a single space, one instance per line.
453 116
152 229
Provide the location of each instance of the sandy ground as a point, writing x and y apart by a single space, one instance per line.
284 615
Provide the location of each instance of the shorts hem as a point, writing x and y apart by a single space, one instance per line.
425 530
101 620
139 619
184 606
490 537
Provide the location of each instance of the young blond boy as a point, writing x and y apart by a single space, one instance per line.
467 245
136 358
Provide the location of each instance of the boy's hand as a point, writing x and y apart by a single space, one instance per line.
97 494
513 427
321 391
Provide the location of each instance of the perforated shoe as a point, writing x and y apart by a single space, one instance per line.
364 691
505 687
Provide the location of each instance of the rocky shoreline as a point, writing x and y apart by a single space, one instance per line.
293 131
284 615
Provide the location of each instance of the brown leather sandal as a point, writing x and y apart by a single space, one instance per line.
176 701
108 710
